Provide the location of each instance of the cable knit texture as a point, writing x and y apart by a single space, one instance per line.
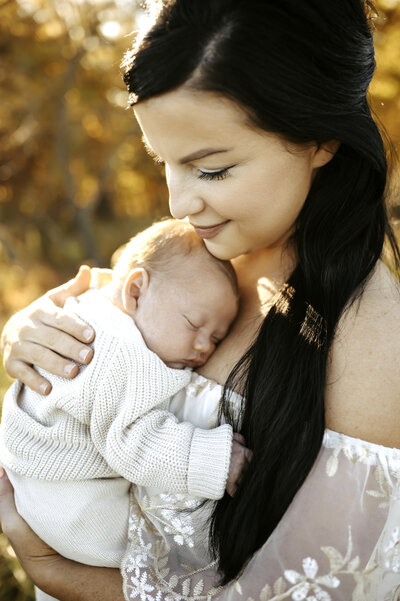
113 418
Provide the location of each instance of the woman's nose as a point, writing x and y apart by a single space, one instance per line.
183 200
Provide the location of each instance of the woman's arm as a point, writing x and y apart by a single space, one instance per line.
59 577
363 376
45 335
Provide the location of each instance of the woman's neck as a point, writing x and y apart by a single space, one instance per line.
260 276
266 270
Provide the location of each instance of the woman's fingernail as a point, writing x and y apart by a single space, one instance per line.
45 388
68 369
2 472
84 353
88 334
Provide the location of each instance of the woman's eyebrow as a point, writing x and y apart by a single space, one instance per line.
194 156
201 154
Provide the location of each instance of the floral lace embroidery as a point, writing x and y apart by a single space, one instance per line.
359 451
311 587
163 529
308 586
392 552
146 571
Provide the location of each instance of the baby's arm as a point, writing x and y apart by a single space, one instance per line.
144 442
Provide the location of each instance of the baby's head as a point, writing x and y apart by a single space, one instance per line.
181 298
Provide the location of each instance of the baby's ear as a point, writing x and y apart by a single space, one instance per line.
135 285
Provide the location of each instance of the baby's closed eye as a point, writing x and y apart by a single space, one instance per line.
191 323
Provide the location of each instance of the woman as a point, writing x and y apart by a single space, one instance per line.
259 111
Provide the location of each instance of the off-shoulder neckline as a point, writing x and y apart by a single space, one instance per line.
331 437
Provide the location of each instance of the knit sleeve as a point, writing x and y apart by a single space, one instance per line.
144 442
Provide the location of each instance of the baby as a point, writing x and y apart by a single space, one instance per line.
71 455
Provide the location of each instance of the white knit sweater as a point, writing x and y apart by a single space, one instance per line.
113 418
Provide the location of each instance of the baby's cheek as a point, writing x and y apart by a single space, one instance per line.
184 340
212 350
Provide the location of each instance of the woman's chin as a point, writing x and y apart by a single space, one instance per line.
221 251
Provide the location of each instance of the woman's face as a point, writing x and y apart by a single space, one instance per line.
239 186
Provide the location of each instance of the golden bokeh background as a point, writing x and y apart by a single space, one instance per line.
75 181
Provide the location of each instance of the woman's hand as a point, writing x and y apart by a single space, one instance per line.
45 335
57 576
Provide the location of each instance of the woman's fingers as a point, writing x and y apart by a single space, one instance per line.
39 356
28 376
63 321
29 353
45 336
36 339
62 332
79 284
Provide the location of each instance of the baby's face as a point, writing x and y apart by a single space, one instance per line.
183 315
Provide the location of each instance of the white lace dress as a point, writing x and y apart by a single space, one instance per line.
339 540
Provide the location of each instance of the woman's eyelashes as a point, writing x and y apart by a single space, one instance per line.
215 175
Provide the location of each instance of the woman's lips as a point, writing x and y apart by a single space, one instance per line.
209 231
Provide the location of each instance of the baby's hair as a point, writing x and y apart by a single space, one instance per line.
158 249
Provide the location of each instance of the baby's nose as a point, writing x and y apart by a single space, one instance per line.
203 345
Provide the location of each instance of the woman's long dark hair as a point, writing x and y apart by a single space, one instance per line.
300 68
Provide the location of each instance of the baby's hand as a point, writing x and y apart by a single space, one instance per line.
240 459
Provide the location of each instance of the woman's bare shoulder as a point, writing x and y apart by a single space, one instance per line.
363 376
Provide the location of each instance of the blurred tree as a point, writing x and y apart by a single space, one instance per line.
70 155
385 86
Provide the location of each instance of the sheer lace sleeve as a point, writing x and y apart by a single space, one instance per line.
340 538
338 541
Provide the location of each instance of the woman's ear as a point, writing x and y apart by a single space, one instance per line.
134 287
325 152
